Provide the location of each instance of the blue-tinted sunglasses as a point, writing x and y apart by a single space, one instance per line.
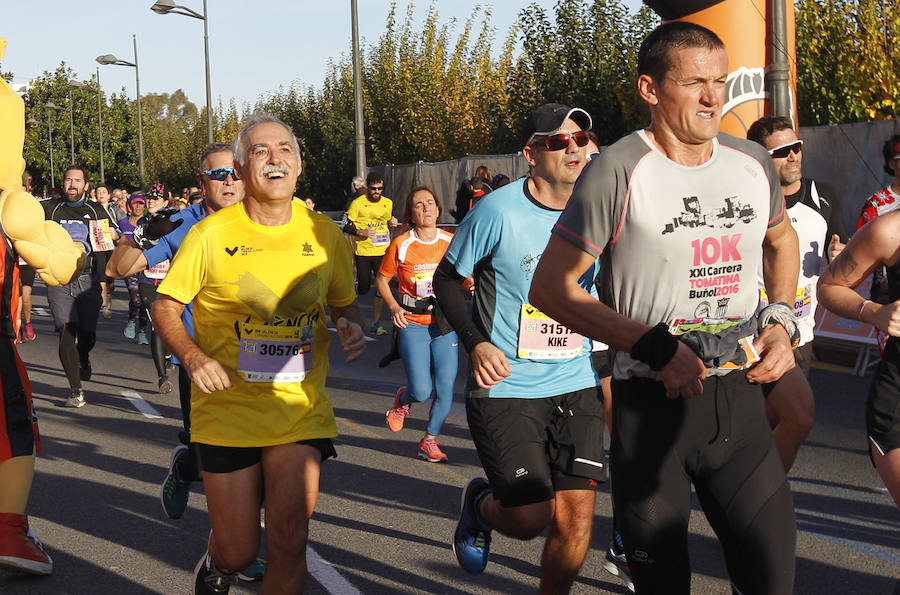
220 173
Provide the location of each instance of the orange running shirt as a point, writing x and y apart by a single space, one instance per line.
414 262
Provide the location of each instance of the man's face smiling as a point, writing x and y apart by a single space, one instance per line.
788 167
74 185
225 193
690 96
273 164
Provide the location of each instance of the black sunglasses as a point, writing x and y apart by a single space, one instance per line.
557 142
785 150
220 173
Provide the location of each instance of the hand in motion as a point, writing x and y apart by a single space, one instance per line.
489 365
352 338
206 373
398 317
774 347
887 318
683 376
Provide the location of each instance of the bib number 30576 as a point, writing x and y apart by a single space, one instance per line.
274 353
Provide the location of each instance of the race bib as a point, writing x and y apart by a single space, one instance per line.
802 301
541 337
424 284
274 353
101 235
381 239
157 271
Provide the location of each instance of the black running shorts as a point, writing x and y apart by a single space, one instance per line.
226 459
802 357
883 404
532 448
366 269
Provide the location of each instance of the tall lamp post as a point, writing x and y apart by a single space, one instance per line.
72 84
360 139
48 107
107 59
167 7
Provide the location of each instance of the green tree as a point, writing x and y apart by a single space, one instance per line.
848 60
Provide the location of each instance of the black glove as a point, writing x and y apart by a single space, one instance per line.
160 223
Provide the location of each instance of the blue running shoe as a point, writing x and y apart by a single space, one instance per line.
255 572
472 539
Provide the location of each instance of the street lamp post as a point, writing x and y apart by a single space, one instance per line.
360 139
47 107
110 59
168 6
72 85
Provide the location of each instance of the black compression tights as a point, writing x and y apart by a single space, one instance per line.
74 347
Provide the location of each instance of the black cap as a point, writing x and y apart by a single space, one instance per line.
547 119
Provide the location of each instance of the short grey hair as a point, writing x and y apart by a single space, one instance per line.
357 183
210 149
238 145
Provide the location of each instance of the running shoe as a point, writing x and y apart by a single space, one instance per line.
107 314
431 451
20 549
472 538
76 399
165 385
142 338
129 330
209 580
615 562
175 490
255 572
396 415
29 332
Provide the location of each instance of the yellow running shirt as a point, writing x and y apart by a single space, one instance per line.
364 213
259 296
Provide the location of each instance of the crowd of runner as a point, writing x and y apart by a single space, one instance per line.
677 247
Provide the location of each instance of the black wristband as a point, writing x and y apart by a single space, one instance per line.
656 347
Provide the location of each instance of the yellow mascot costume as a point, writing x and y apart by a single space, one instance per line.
55 257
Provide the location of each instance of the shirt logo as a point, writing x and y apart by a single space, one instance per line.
308 249
521 472
231 251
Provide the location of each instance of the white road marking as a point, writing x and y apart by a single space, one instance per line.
40 311
326 575
145 408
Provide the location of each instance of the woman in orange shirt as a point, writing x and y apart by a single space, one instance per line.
425 344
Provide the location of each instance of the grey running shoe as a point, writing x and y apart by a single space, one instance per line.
129 330
616 564
209 580
175 490
76 399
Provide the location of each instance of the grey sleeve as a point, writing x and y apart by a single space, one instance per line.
597 205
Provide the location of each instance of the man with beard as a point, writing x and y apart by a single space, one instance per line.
76 306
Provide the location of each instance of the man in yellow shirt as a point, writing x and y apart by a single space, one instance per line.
369 218
260 274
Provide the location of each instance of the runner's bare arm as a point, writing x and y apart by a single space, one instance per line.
204 371
781 268
398 314
556 292
126 260
349 323
878 242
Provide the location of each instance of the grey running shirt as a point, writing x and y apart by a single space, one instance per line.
677 242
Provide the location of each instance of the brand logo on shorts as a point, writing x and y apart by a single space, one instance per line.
521 472
231 251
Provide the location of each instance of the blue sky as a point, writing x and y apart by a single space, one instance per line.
254 46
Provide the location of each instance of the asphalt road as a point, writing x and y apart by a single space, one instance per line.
384 518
